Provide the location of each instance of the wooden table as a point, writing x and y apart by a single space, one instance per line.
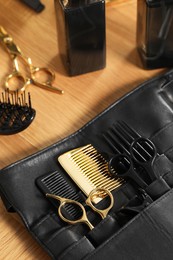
59 115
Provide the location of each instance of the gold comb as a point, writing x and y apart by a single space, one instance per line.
88 169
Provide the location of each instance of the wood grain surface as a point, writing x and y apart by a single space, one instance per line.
60 115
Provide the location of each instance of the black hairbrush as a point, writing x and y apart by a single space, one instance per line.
16 113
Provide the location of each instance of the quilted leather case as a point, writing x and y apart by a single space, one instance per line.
148 234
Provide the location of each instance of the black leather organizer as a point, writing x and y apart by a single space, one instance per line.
140 224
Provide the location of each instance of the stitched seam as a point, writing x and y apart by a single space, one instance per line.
27 225
98 227
43 219
50 215
131 222
42 243
159 227
169 150
167 174
162 130
58 232
55 233
68 251
103 221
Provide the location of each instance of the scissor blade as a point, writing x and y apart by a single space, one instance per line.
7 40
3 33
48 87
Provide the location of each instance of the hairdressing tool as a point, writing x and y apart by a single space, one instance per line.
120 136
16 113
88 169
34 72
126 140
98 192
124 168
58 184
133 207
143 152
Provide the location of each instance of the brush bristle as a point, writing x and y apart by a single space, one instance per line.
16 112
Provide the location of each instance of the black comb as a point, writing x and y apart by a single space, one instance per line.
120 137
55 183
16 112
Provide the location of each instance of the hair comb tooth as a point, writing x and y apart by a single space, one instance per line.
88 169
16 113
55 183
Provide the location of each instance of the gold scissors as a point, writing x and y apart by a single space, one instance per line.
15 53
98 192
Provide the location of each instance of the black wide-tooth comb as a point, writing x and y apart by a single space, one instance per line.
120 136
16 113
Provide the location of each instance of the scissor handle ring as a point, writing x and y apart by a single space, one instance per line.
97 193
48 71
83 218
64 201
115 165
135 150
18 75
